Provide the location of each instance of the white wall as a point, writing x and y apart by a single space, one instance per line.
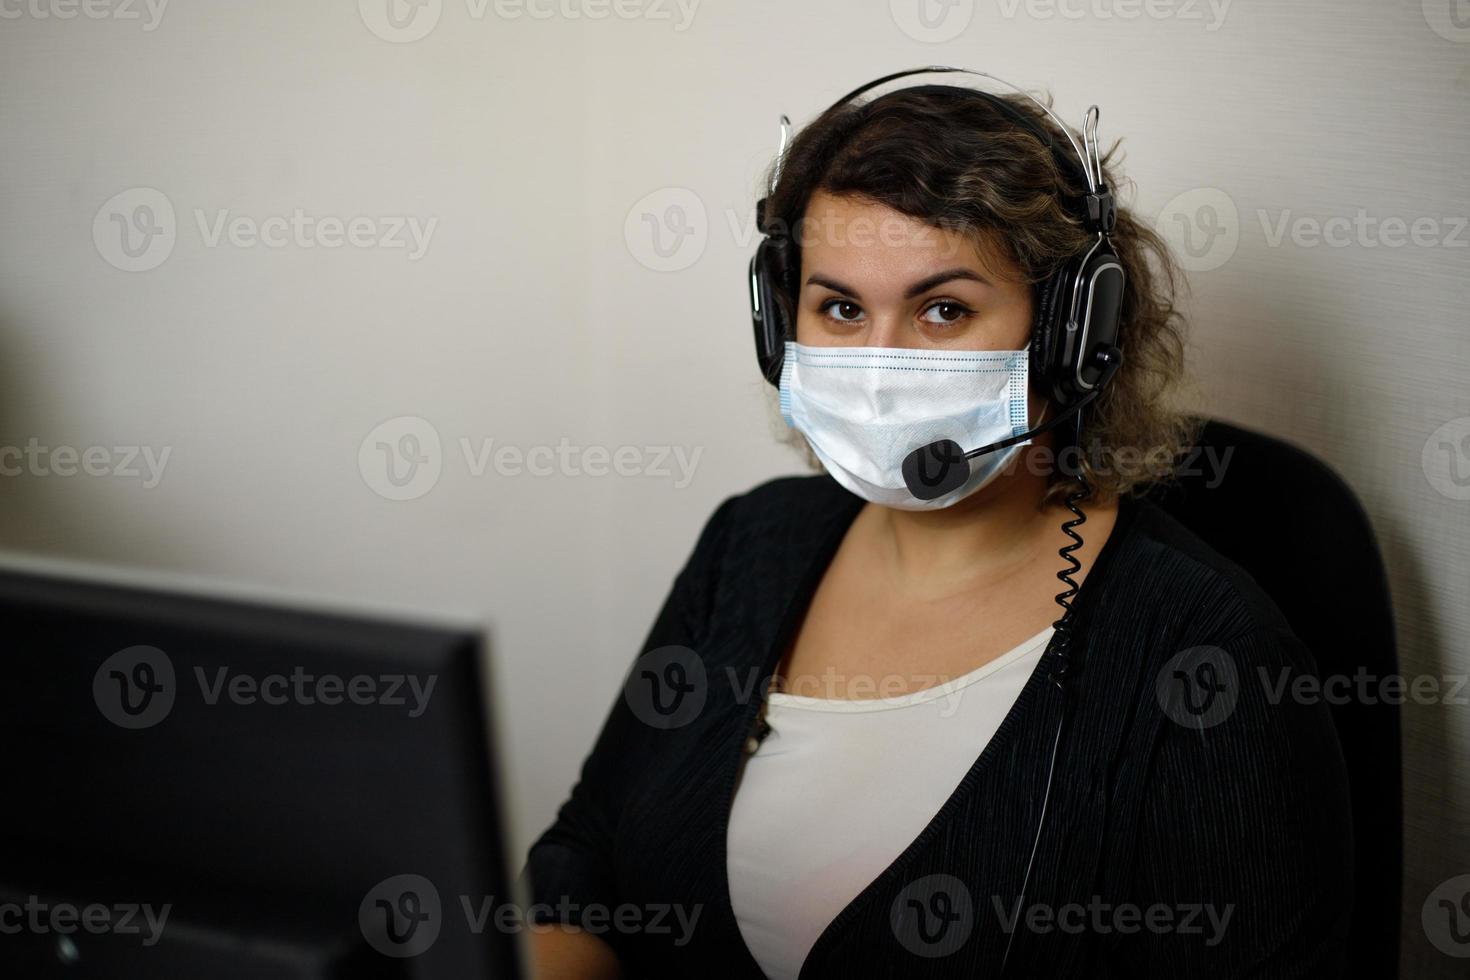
531 319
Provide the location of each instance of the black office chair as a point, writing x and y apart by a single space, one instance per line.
1295 526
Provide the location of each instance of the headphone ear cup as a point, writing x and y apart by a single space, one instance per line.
1105 298
1103 282
1045 338
769 273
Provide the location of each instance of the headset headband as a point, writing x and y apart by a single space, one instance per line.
1099 214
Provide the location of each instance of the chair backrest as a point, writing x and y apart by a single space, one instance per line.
1295 526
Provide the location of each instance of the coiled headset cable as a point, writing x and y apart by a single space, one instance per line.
1062 663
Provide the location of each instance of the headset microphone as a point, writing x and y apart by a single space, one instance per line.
942 467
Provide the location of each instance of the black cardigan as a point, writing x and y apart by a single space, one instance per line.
1157 830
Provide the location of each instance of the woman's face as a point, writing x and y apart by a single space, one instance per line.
872 277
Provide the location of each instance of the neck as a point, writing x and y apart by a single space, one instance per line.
983 538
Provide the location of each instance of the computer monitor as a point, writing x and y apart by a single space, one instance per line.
208 787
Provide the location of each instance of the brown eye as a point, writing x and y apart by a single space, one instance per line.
842 310
945 313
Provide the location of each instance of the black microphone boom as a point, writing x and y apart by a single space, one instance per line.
942 467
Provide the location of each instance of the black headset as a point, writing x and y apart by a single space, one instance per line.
1077 307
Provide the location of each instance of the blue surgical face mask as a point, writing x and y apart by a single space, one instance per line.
863 409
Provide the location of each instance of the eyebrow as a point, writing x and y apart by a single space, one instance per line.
922 286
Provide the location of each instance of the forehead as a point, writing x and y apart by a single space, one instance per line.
858 233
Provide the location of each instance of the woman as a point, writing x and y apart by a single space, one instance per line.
860 740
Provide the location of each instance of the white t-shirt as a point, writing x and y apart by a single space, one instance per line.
840 787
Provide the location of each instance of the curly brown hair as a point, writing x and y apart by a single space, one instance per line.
947 156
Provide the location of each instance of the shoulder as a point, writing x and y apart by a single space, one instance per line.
1239 785
789 498
768 531
1218 676
782 512
1172 580
1202 641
